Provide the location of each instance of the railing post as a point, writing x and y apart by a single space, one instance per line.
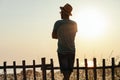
86 69
95 73
103 73
14 68
52 69
77 63
113 66
24 70
34 71
43 68
5 72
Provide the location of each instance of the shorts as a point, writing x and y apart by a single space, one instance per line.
66 61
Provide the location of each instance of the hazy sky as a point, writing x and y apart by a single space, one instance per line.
26 27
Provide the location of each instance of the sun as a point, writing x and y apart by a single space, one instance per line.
91 23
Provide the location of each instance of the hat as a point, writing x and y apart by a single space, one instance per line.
67 9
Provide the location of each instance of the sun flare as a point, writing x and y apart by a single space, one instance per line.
91 24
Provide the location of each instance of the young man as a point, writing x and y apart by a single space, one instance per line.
65 30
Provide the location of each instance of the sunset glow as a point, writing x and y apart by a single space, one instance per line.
26 27
92 24
90 63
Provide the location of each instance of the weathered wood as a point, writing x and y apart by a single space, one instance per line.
113 66
52 69
94 70
24 70
103 73
86 69
5 72
77 63
34 70
14 70
43 68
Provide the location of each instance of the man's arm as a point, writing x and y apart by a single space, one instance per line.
54 35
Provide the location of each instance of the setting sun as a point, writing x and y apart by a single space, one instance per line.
91 23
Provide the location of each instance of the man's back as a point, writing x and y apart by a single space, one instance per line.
66 30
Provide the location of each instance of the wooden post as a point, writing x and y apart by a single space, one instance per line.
77 63
34 71
95 73
113 66
5 72
52 69
14 69
103 73
43 68
86 69
24 70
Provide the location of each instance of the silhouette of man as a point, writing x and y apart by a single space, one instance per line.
65 30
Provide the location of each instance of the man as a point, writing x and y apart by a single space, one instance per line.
65 30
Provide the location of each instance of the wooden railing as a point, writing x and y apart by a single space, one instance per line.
44 67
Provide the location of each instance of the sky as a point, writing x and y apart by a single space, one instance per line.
26 27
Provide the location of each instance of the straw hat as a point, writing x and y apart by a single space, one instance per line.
67 9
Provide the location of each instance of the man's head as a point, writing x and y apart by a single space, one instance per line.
67 9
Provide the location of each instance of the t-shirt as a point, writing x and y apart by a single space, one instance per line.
65 31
